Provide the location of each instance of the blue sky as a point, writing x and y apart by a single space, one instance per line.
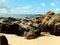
29 6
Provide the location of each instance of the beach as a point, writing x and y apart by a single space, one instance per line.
42 40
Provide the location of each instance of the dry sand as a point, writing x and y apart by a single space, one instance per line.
43 40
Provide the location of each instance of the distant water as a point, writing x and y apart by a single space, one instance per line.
20 15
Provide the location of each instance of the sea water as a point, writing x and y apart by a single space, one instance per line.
19 15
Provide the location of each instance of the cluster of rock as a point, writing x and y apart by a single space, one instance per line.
32 27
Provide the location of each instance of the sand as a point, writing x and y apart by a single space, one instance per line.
43 40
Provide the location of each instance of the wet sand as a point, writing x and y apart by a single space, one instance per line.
43 40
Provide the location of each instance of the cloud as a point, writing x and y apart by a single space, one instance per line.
24 7
3 10
57 9
43 4
1 1
15 10
52 4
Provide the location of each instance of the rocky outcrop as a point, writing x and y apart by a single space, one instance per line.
32 27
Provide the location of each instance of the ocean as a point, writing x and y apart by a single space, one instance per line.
20 15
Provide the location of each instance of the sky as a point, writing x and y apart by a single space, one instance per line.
29 6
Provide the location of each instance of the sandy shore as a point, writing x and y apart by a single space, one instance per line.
43 40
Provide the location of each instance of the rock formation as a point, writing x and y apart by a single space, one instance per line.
32 27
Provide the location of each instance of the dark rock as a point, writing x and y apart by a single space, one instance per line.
8 20
10 29
0 27
32 33
3 40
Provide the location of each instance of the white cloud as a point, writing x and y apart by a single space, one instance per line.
1 1
3 10
20 10
52 4
57 9
15 10
24 7
43 4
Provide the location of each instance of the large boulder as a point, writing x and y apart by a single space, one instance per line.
30 29
3 40
51 23
55 23
44 22
32 33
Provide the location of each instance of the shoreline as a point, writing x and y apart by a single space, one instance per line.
43 40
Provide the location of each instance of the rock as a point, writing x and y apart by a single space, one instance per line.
8 20
32 27
29 28
47 17
31 33
3 40
54 19
24 25
56 30
55 23
51 23
44 22
0 27
10 29
50 13
38 19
